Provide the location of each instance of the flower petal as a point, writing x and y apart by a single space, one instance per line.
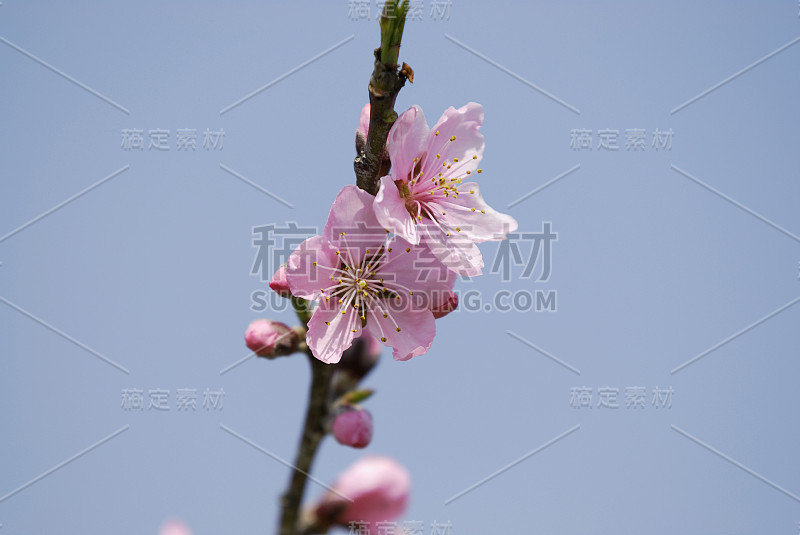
353 213
468 145
406 141
330 331
305 279
476 219
456 251
416 328
416 273
391 212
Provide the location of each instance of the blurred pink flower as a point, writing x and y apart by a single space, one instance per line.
174 527
379 488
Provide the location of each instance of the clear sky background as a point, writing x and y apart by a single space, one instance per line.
663 253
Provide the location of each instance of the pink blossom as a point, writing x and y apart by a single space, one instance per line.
353 427
426 198
379 488
268 338
365 281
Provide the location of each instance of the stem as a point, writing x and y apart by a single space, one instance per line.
384 85
313 433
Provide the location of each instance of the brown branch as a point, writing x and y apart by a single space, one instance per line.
313 433
385 83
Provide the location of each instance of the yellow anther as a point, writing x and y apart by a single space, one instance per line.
408 249
383 338
474 156
455 160
386 315
398 329
436 133
458 229
452 138
363 284
480 170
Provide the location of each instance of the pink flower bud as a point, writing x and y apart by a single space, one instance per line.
378 486
449 305
279 283
353 427
269 339
363 120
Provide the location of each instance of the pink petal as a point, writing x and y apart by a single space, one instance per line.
417 329
458 252
407 139
481 224
424 279
391 213
306 280
330 332
463 123
353 213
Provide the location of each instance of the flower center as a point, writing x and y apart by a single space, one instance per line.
359 287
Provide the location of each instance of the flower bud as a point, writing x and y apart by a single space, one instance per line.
379 488
445 308
269 339
363 129
279 283
352 426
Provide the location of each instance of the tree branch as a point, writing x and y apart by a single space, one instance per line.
384 85
313 433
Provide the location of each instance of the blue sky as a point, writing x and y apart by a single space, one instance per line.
131 269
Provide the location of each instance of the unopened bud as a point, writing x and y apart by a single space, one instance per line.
363 129
269 339
279 283
446 307
352 426
377 491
